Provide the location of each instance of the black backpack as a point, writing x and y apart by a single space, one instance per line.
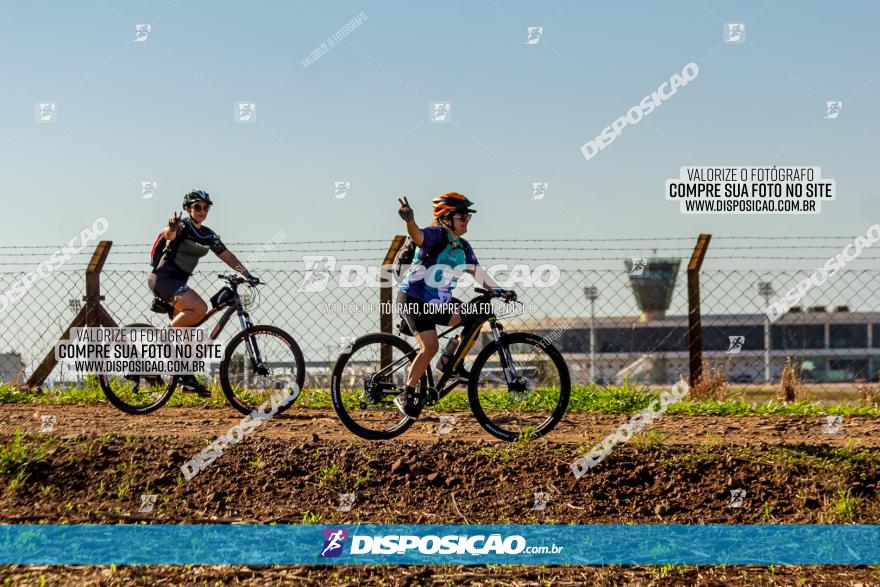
407 253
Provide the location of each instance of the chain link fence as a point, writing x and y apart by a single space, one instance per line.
618 309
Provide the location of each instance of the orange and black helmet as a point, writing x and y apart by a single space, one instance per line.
450 203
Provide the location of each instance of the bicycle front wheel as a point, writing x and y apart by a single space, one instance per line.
279 374
532 404
365 381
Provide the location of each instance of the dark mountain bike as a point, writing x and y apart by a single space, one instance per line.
518 384
258 361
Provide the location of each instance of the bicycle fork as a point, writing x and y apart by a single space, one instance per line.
507 363
253 351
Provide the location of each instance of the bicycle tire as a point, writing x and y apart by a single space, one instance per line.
104 381
564 385
228 390
336 391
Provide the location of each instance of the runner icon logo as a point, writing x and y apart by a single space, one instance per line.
832 109
833 424
535 33
539 189
638 266
734 32
736 498
333 542
346 501
736 344
47 423
148 188
148 501
340 189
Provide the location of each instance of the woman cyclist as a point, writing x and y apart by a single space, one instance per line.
440 247
186 241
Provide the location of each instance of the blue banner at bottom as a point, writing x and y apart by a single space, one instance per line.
302 544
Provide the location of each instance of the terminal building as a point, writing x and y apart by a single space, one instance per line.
827 344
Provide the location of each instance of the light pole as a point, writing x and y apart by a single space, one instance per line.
592 294
75 306
765 289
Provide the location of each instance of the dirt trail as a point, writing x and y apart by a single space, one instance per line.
576 429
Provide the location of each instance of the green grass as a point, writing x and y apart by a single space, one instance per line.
845 506
310 517
738 407
692 461
17 455
622 399
824 457
11 395
328 474
505 452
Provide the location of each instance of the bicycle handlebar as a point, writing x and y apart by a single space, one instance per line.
506 294
235 280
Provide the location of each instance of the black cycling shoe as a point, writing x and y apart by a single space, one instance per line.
191 384
406 404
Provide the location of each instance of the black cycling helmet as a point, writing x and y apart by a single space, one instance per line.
197 196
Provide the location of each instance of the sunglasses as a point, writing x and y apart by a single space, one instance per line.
464 217
200 207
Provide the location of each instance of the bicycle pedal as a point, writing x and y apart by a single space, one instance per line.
431 396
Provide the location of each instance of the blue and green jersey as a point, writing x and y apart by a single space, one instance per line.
430 278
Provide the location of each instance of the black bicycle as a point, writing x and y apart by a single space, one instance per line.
258 362
518 384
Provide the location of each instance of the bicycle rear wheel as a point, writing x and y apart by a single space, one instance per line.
366 380
278 378
137 394
534 403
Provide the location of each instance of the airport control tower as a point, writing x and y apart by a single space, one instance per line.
652 280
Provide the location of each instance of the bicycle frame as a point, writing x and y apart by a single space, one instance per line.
470 331
244 318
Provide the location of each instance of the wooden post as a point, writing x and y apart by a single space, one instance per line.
93 295
385 315
91 314
695 326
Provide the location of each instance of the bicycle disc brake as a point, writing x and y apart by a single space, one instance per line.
373 391
519 388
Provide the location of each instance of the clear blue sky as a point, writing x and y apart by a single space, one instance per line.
163 110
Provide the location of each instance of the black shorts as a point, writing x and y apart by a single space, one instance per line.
423 316
168 284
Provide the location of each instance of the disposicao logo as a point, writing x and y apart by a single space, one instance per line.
334 538
474 545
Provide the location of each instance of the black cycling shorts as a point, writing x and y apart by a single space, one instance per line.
168 284
423 316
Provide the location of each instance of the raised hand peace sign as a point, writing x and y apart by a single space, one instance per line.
174 223
405 212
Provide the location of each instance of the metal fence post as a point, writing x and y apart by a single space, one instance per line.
695 327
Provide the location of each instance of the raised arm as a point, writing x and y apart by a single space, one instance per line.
406 213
